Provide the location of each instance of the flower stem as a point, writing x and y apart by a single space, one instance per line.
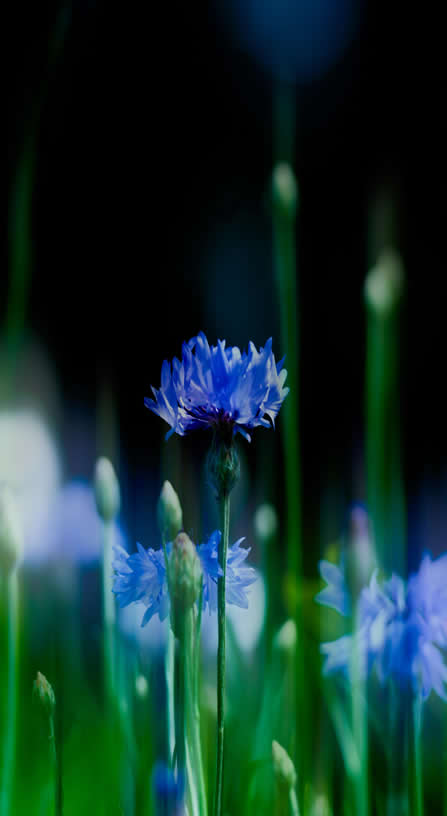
58 790
9 744
224 509
417 733
109 614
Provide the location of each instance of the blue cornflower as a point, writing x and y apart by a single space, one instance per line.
400 627
218 387
169 790
142 577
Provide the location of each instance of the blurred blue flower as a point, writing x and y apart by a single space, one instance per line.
219 387
141 576
73 532
399 626
169 790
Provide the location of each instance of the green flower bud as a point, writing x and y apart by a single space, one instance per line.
283 766
11 535
169 513
284 188
284 641
384 283
44 694
107 491
223 465
184 578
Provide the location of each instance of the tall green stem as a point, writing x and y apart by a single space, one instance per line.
224 510
9 744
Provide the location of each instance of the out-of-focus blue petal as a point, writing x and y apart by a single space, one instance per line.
336 594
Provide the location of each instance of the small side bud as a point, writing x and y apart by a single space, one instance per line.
265 523
169 513
284 641
11 535
107 491
44 694
284 188
283 766
384 283
184 578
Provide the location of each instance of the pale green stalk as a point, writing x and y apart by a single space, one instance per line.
109 614
224 508
196 778
10 727
293 802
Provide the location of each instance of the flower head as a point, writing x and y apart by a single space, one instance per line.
219 387
142 577
400 626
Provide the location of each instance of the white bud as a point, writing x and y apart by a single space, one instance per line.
11 535
169 512
285 188
283 765
107 490
384 283
285 638
265 522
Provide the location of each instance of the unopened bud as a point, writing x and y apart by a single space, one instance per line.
384 283
44 694
285 638
284 188
107 491
11 535
185 579
141 686
169 513
283 766
223 465
265 522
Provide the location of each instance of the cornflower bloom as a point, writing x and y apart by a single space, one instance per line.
219 387
401 626
141 577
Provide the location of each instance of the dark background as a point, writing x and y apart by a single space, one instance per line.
151 220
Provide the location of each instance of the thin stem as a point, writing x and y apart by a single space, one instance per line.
224 509
417 733
58 791
293 801
9 746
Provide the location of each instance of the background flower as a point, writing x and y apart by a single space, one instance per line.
399 626
141 576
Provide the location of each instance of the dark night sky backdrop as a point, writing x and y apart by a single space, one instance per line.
151 218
